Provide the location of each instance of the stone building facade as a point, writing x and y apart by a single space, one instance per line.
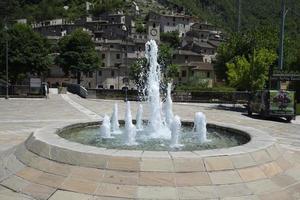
119 45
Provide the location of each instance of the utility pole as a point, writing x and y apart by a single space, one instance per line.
281 42
239 6
6 61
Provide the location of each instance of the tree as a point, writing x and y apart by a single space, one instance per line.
243 44
102 6
77 54
28 52
250 73
138 72
171 38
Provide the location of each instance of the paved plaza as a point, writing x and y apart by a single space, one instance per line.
273 173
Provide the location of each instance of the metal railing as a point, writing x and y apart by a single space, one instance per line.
21 91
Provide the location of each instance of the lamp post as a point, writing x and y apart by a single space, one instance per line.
6 61
281 42
124 28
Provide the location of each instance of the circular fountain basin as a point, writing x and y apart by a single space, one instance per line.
47 143
218 137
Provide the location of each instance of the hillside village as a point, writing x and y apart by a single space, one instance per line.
120 40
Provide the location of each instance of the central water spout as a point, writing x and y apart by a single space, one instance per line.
156 125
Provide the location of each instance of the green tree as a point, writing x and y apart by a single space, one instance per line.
102 6
250 73
138 71
243 44
77 54
171 38
28 52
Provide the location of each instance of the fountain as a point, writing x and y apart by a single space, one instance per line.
130 130
139 121
156 125
105 127
163 131
115 121
200 127
175 130
168 112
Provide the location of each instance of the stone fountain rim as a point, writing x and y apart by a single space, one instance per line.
46 143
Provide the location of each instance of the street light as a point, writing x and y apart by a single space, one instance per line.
6 58
281 42
124 28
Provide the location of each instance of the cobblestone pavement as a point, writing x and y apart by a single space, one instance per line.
32 177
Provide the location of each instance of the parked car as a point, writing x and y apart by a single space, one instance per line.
273 103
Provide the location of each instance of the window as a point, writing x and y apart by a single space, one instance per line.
168 24
183 73
186 57
89 84
174 19
100 86
103 56
153 25
99 73
91 74
111 46
207 74
174 56
118 56
112 73
111 87
103 64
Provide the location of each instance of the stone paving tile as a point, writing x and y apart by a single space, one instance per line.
151 192
192 179
114 190
156 179
162 165
66 195
15 183
50 180
156 154
119 177
261 156
188 165
38 191
283 180
123 163
283 163
6 194
196 193
262 186
55 168
294 191
251 174
294 172
218 163
232 190
243 160
273 152
80 186
84 173
225 177
271 169
276 195
249 197
29 174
